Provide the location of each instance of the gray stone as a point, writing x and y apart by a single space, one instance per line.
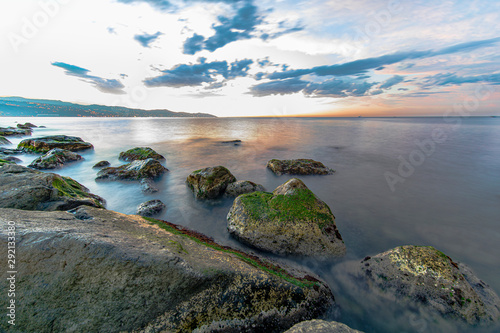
116 273
298 167
291 220
150 208
321 326
25 188
243 186
135 170
11 131
147 186
211 182
4 140
55 158
101 164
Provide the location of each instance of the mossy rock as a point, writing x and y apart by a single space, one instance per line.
4 140
2 162
428 277
11 131
291 220
140 153
136 170
44 144
298 167
321 326
55 158
211 182
25 188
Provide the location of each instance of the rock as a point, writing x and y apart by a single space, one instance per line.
55 158
140 153
9 158
147 186
321 326
101 164
232 141
4 140
6 151
210 183
44 144
243 186
26 126
25 188
424 276
2 162
135 170
150 208
11 131
298 167
291 220
42 126
109 272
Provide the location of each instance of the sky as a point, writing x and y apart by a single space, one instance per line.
257 58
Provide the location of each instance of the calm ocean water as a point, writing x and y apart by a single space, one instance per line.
446 193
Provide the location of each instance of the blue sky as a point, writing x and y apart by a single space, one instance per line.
257 58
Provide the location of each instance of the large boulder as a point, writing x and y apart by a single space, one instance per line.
44 144
140 153
211 182
243 186
298 167
95 270
11 131
291 220
425 278
54 159
25 188
321 326
150 208
135 170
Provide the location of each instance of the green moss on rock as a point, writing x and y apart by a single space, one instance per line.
140 153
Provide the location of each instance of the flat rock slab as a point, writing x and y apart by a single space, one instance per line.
289 221
96 270
44 144
321 326
140 153
298 167
55 158
136 170
25 188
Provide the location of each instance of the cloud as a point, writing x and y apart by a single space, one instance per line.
191 75
104 85
449 79
391 81
157 4
146 39
363 65
283 87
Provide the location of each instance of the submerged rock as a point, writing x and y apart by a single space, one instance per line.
101 164
26 126
25 188
291 220
4 140
150 208
298 167
135 170
55 158
243 186
11 131
210 183
425 277
321 326
44 144
140 153
101 271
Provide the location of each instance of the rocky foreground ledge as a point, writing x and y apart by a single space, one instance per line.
94 270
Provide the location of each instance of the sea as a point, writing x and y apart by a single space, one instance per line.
398 181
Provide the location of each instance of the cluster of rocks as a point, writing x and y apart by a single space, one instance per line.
214 182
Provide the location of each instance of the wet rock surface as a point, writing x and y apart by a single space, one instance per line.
136 170
44 144
211 182
321 326
140 153
95 270
101 164
298 167
150 208
291 220
12 131
25 188
55 158
243 186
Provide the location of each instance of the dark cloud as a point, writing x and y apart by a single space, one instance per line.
104 85
146 39
202 72
450 79
363 65
391 82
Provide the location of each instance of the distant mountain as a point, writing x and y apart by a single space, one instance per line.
23 107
